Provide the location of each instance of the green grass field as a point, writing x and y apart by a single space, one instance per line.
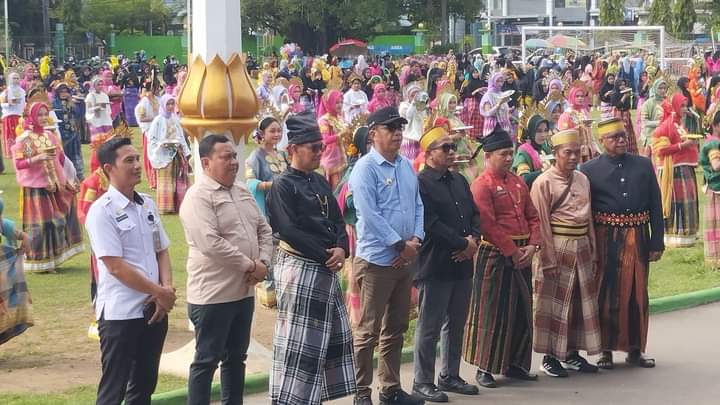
62 307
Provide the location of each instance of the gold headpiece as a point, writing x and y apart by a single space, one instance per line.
296 81
334 84
347 135
566 136
609 126
525 116
352 77
430 136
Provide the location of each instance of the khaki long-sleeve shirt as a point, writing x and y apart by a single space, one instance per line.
225 232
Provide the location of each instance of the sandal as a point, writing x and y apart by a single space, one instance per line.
605 361
640 360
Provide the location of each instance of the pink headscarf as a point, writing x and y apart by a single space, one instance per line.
329 101
378 102
31 122
297 106
107 78
571 99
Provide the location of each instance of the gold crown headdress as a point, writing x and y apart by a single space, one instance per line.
358 121
525 116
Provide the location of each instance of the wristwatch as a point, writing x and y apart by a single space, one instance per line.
537 248
399 246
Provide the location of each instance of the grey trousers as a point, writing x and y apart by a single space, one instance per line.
442 307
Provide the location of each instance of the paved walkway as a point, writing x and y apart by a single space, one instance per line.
686 345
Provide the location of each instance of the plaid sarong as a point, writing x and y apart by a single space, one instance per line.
712 228
681 227
15 302
498 332
472 116
622 278
50 220
312 346
172 183
566 312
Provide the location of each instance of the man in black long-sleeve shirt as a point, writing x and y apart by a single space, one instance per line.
312 348
452 230
629 230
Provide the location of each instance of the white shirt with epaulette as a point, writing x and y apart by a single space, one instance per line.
130 230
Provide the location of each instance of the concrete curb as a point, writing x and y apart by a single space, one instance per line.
683 301
258 382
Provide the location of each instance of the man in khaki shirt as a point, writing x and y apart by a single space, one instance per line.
229 248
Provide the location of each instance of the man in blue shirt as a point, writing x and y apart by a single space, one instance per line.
389 228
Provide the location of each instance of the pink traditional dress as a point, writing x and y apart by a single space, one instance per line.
47 196
380 98
113 92
331 126
495 112
575 116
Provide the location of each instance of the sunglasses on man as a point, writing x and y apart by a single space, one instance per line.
616 136
447 147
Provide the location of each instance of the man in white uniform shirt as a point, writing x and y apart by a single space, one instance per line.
135 290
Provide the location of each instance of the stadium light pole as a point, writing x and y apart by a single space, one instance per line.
7 35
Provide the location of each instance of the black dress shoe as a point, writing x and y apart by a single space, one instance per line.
400 397
429 392
520 374
485 379
457 385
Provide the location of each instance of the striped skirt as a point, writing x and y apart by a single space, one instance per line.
712 228
622 278
498 331
10 123
409 148
15 302
50 220
312 346
172 183
566 312
681 227
147 166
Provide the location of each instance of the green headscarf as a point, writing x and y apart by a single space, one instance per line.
529 132
652 93
444 105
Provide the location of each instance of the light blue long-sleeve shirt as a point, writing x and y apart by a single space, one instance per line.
388 205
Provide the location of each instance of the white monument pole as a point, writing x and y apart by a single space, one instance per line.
218 96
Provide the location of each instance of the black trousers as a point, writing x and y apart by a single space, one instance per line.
130 356
222 334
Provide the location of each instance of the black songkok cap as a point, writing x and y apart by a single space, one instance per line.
497 139
302 128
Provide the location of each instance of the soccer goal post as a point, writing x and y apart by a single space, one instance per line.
591 39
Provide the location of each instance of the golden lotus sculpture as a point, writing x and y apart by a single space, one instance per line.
218 97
